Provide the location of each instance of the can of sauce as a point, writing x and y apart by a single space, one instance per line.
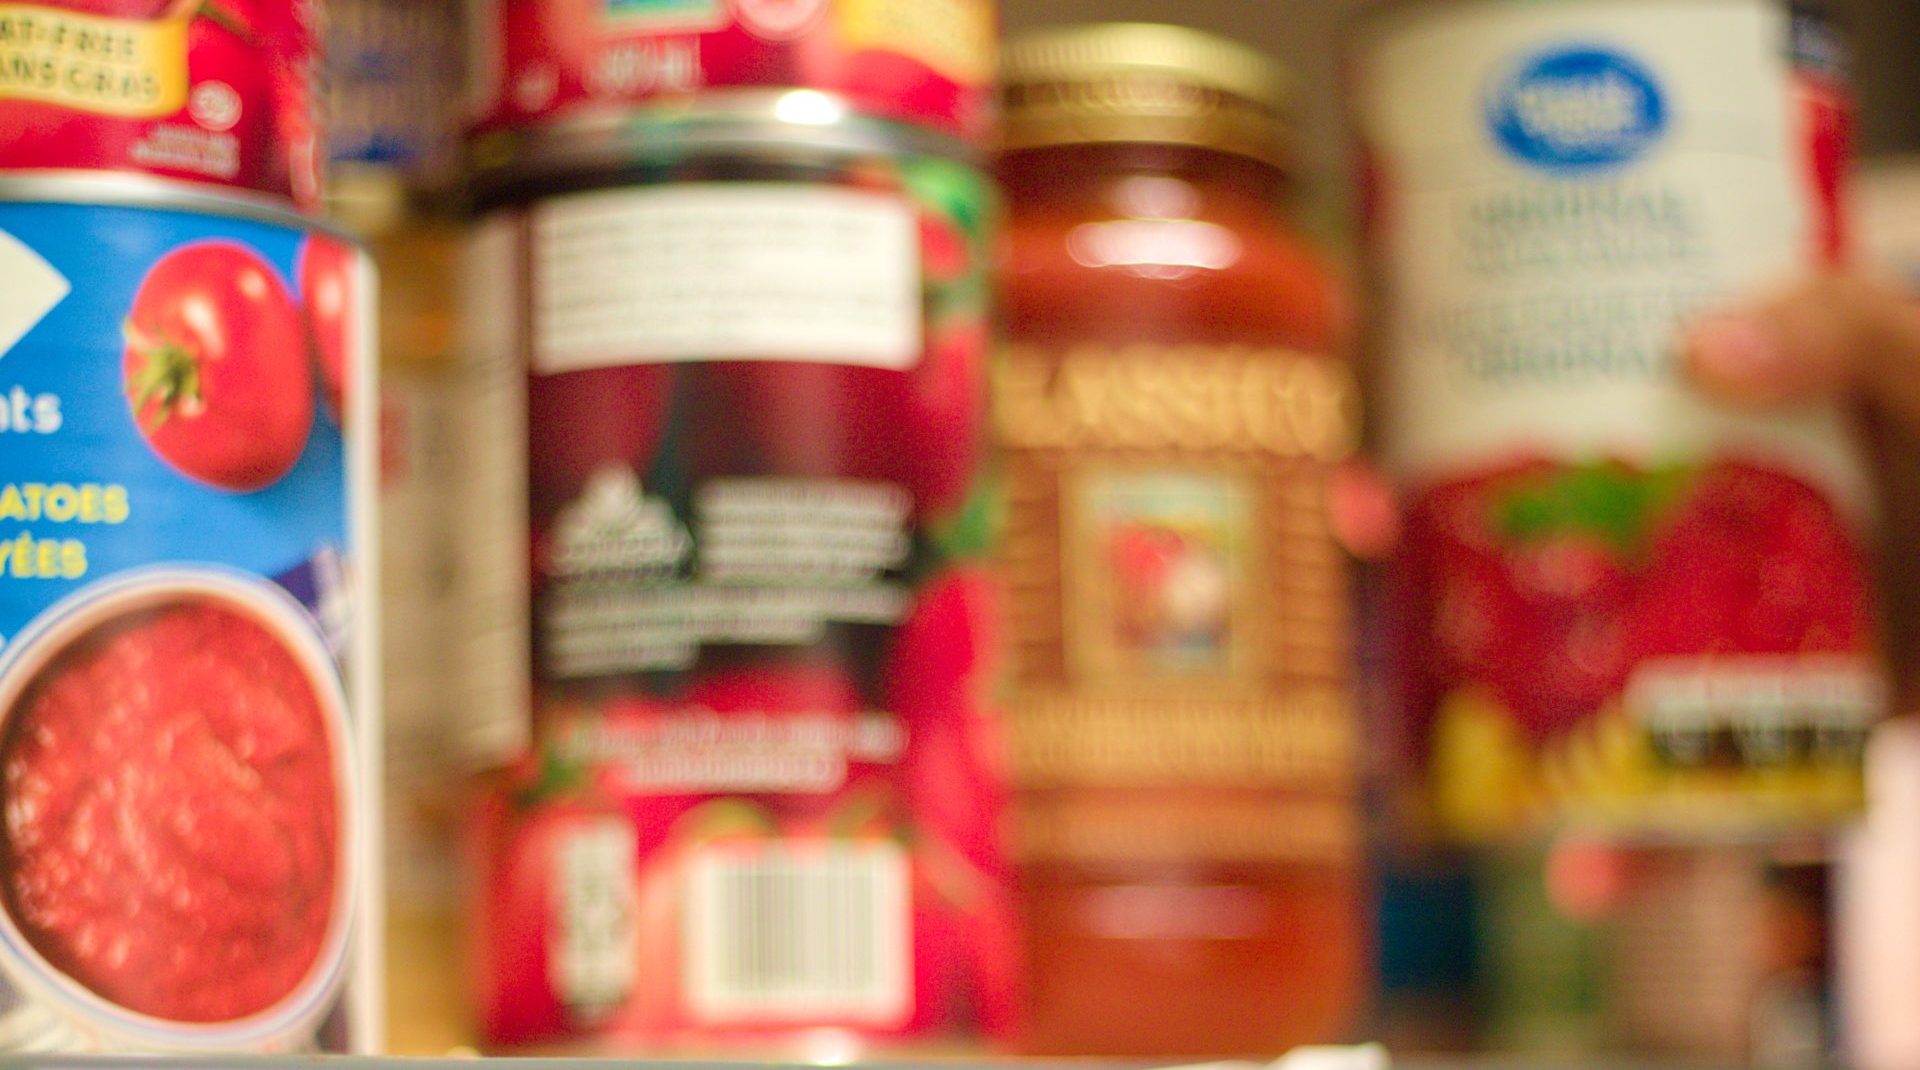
734 367
1625 606
213 91
923 62
188 689
1169 408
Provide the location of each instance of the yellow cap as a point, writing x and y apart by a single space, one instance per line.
1142 83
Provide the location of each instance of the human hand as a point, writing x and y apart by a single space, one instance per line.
1831 336
1856 341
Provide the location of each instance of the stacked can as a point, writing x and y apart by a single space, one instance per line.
728 327
188 686
1628 608
1628 614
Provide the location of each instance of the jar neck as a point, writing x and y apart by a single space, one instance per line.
1069 174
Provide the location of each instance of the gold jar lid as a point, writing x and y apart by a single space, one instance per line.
1142 83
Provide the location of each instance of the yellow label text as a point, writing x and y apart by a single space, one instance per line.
64 503
27 558
1178 397
130 68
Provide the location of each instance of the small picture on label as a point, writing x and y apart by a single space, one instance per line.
1161 575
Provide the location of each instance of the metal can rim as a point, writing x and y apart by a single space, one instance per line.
121 190
806 121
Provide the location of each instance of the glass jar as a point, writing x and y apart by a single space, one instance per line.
1169 406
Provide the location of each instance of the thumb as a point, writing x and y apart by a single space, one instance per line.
1820 338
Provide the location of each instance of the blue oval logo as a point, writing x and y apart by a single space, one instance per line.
1578 109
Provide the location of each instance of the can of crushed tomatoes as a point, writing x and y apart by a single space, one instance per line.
733 365
214 91
925 62
1626 606
188 685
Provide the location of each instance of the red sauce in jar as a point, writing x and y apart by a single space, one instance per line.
1170 404
171 815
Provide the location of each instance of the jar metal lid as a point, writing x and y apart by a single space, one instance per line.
1143 83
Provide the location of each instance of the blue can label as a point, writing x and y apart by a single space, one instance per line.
184 724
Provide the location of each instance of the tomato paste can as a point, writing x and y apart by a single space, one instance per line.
733 364
213 91
188 682
925 62
1625 605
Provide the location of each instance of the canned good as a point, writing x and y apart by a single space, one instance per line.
219 92
188 690
734 367
393 87
1626 605
926 62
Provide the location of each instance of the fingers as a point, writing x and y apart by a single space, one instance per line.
1821 338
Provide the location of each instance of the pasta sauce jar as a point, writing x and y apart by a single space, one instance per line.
215 91
1169 406
734 366
1626 606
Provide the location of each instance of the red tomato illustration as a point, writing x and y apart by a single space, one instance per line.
327 293
1754 562
216 367
519 853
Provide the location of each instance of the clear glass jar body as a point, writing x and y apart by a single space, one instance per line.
1150 294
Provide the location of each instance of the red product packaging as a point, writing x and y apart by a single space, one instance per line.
214 91
1625 606
742 393
926 62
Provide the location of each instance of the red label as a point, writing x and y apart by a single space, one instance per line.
217 91
765 790
927 62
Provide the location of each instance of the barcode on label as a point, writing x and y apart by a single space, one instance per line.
591 965
786 931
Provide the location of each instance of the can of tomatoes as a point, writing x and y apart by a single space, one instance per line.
212 91
733 365
1626 605
923 62
188 682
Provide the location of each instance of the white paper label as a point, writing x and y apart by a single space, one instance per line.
1562 187
734 271
799 932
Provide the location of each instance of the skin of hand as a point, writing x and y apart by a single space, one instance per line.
1858 341
1824 337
